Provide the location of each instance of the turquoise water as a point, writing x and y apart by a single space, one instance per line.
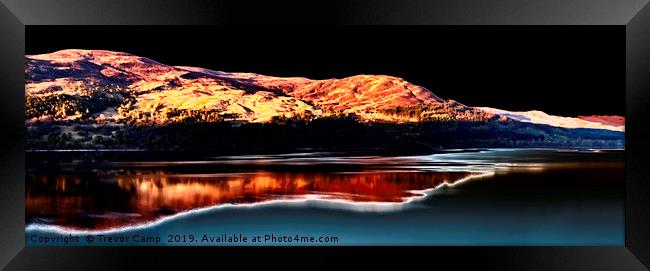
523 197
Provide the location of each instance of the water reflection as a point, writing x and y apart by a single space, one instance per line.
104 200
101 191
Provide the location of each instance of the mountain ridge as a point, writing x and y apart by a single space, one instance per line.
105 86
252 97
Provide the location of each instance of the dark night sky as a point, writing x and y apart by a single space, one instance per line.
574 70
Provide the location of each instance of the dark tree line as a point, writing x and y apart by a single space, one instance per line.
343 132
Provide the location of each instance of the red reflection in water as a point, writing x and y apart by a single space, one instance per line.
104 202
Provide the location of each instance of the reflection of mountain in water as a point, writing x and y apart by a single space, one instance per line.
89 190
101 202
525 196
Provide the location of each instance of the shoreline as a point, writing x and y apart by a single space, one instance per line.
312 200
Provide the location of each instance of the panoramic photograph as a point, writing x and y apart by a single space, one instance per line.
160 136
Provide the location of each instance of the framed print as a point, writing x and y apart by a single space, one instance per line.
393 130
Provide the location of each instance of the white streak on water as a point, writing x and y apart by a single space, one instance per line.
485 162
320 201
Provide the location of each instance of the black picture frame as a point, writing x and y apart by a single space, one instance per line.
633 16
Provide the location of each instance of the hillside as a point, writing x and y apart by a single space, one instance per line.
613 123
92 85
94 98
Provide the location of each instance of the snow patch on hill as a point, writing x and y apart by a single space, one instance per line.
539 117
